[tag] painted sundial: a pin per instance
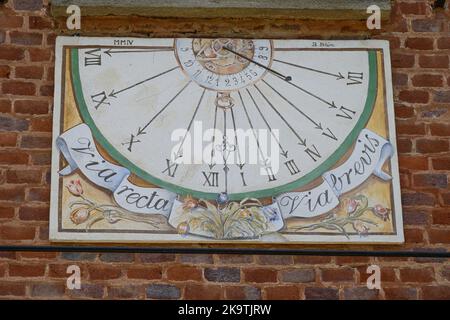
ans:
(275, 131)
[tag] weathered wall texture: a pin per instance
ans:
(420, 42)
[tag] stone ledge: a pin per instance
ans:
(270, 9)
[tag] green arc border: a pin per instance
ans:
(271, 192)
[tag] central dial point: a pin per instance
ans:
(224, 64)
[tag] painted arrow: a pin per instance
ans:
(302, 141)
(115, 93)
(110, 51)
(338, 76)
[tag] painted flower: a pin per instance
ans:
(79, 215)
(361, 228)
(189, 203)
(352, 204)
(75, 187)
(381, 212)
(183, 228)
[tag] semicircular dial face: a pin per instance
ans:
(252, 118)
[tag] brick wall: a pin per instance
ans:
(420, 42)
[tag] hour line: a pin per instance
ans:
(330, 104)
(318, 125)
(284, 152)
(253, 129)
(240, 164)
(338, 76)
(211, 165)
(110, 51)
(142, 130)
(224, 150)
(115, 93)
(190, 124)
(302, 140)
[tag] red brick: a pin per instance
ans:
(419, 43)
(12, 53)
(202, 292)
(439, 235)
(427, 25)
(427, 80)
(415, 8)
(36, 22)
(413, 235)
(8, 22)
(402, 60)
(404, 112)
(282, 293)
(13, 157)
(36, 142)
(9, 193)
(404, 145)
(436, 293)
(441, 216)
(41, 124)
(26, 270)
(440, 129)
(99, 272)
(17, 232)
(12, 288)
(417, 275)
(413, 162)
(5, 106)
(443, 43)
(6, 212)
(37, 54)
(8, 139)
(38, 194)
(183, 273)
(431, 146)
(338, 275)
(415, 217)
(126, 292)
(260, 275)
(408, 128)
(275, 260)
(429, 180)
(414, 96)
(34, 213)
(418, 198)
(311, 260)
(31, 106)
(38, 255)
(5, 71)
(147, 273)
(399, 79)
(29, 72)
(25, 38)
(242, 293)
(433, 61)
(19, 88)
(400, 293)
(23, 176)
(46, 91)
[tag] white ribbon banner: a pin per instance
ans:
(368, 157)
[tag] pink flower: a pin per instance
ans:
(352, 204)
(75, 188)
(79, 215)
(381, 212)
(361, 228)
(183, 228)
